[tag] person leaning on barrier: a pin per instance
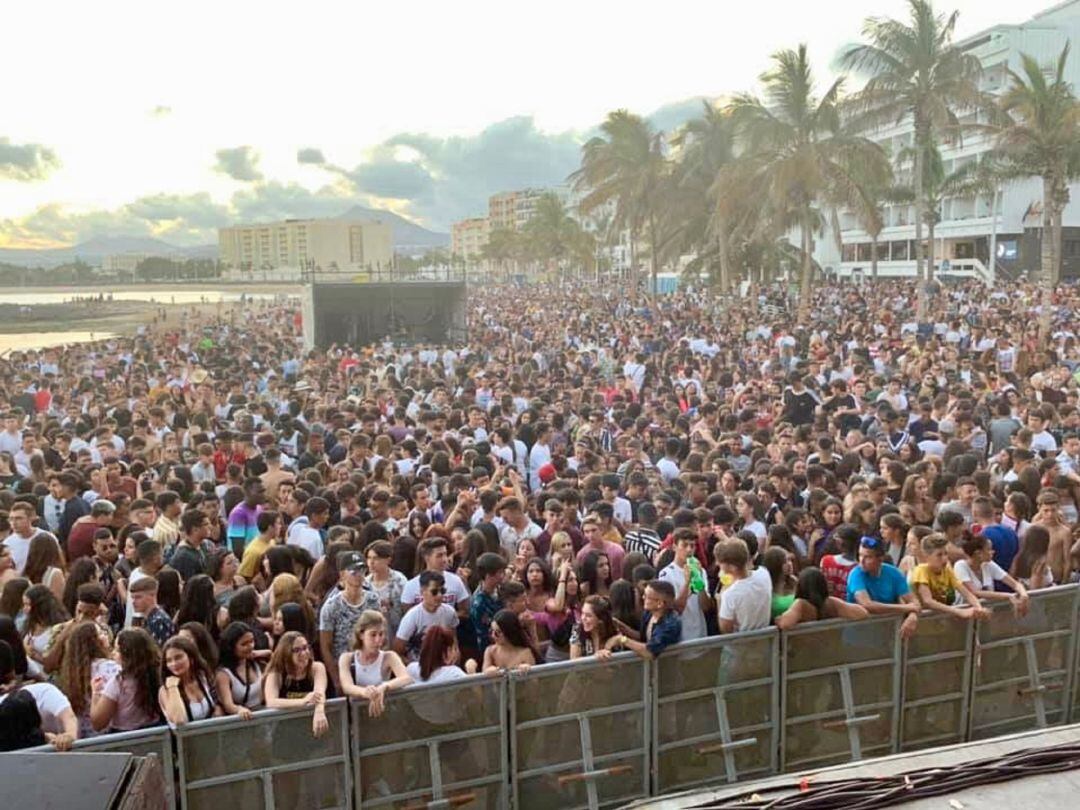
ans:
(369, 671)
(660, 623)
(881, 588)
(981, 574)
(938, 587)
(58, 721)
(295, 680)
(813, 602)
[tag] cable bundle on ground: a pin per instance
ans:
(886, 791)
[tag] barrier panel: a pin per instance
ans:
(272, 760)
(841, 691)
(580, 733)
(157, 741)
(937, 682)
(715, 710)
(1074, 715)
(434, 746)
(1024, 666)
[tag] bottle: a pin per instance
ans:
(697, 576)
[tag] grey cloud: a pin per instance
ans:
(310, 156)
(26, 161)
(240, 163)
(197, 211)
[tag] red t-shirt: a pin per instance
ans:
(836, 570)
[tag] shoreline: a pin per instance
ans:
(231, 287)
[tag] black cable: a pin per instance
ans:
(873, 792)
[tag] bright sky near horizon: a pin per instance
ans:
(132, 118)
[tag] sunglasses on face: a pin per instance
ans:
(437, 591)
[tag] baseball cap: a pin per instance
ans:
(351, 561)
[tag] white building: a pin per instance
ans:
(283, 249)
(966, 227)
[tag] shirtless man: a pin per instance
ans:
(1049, 516)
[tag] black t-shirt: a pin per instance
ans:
(799, 407)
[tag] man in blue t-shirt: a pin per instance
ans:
(1004, 540)
(882, 588)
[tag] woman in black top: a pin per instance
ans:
(294, 679)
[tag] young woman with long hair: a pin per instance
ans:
(188, 692)
(45, 564)
(86, 658)
(916, 504)
(539, 583)
(44, 619)
(387, 582)
(197, 633)
(594, 576)
(439, 657)
(239, 676)
(560, 614)
(369, 671)
(129, 699)
(812, 602)
(511, 647)
(596, 633)
(294, 679)
(222, 567)
(197, 604)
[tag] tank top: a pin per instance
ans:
(202, 708)
(297, 689)
(368, 674)
(248, 695)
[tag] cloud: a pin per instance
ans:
(240, 163)
(440, 180)
(310, 156)
(26, 162)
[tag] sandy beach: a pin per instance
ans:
(37, 317)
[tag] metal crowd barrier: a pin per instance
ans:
(434, 746)
(715, 710)
(937, 682)
(841, 683)
(593, 734)
(156, 741)
(580, 734)
(270, 761)
(1025, 666)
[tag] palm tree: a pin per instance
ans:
(915, 72)
(553, 236)
(1042, 139)
(705, 148)
(626, 164)
(797, 154)
(501, 248)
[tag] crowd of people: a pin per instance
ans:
(211, 520)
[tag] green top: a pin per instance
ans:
(780, 603)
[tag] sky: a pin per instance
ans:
(143, 119)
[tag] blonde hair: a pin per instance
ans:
(287, 588)
(367, 620)
(560, 541)
(932, 542)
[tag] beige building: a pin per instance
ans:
(330, 245)
(502, 214)
(468, 237)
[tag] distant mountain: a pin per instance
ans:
(408, 236)
(94, 250)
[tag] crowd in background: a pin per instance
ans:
(211, 521)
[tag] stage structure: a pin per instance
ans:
(355, 310)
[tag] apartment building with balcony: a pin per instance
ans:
(1011, 219)
(331, 245)
(468, 238)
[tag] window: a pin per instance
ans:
(848, 253)
(1072, 248)
(899, 251)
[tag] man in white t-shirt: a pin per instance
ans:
(308, 536)
(688, 588)
(745, 603)
(431, 611)
(22, 532)
(435, 552)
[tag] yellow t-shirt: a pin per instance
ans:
(943, 584)
(249, 565)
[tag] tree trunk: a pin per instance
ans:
(1047, 257)
(931, 226)
(634, 280)
(725, 262)
(652, 254)
(920, 268)
(873, 256)
(807, 269)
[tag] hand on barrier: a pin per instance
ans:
(61, 742)
(319, 723)
(1020, 603)
(909, 626)
(244, 713)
